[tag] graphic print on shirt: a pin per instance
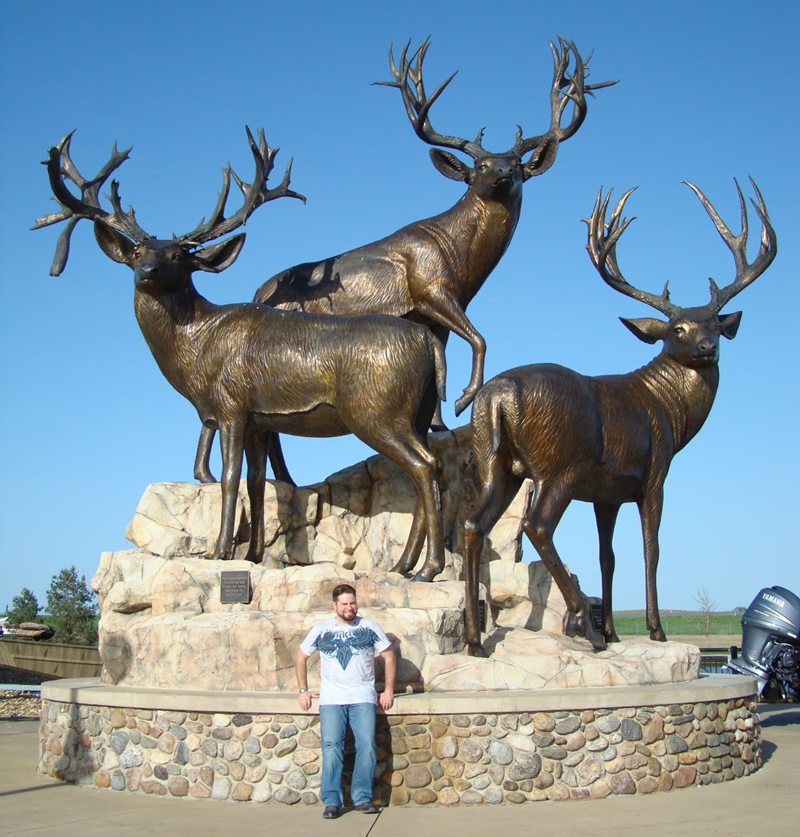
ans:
(342, 644)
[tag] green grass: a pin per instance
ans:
(680, 624)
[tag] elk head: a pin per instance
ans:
(165, 266)
(690, 335)
(495, 175)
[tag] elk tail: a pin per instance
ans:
(501, 404)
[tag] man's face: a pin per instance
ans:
(346, 607)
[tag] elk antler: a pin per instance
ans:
(602, 249)
(408, 80)
(73, 209)
(565, 88)
(254, 194)
(737, 244)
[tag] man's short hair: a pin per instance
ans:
(342, 588)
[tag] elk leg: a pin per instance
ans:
(416, 537)
(547, 508)
(232, 439)
(650, 512)
(496, 492)
(202, 470)
(279, 468)
(256, 444)
(606, 518)
(423, 469)
(445, 310)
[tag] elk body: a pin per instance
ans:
(252, 371)
(605, 440)
(430, 270)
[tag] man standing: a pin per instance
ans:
(347, 645)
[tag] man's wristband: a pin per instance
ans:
(302, 691)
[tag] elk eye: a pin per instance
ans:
(679, 330)
(176, 257)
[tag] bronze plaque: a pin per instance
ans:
(234, 587)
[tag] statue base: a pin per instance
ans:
(433, 748)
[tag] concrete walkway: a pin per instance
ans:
(763, 804)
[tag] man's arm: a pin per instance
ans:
(301, 670)
(386, 697)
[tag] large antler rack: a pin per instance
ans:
(254, 194)
(746, 272)
(60, 166)
(602, 248)
(60, 169)
(408, 80)
(565, 88)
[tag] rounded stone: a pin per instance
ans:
(418, 777)
(178, 785)
(494, 795)
(130, 758)
(544, 722)
(424, 796)
(607, 724)
(118, 780)
(500, 752)
(472, 797)
(568, 725)
(286, 795)
(400, 796)
(622, 783)
(221, 789)
(118, 741)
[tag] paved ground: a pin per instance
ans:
(763, 804)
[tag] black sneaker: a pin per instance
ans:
(331, 812)
(367, 808)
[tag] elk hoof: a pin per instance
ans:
(253, 558)
(477, 650)
(463, 402)
(658, 635)
(204, 477)
(425, 575)
(401, 568)
(580, 624)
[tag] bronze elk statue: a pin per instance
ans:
(430, 270)
(251, 370)
(605, 440)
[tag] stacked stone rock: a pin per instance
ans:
(422, 759)
(19, 704)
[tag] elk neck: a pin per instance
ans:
(473, 235)
(680, 394)
(172, 324)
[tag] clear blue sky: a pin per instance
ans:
(708, 93)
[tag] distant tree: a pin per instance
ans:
(707, 606)
(71, 609)
(739, 611)
(24, 608)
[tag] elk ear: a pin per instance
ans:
(646, 328)
(450, 166)
(729, 324)
(544, 155)
(115, 245)
(217, 257)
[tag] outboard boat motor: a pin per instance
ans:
(771, 643)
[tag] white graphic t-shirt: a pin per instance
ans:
(347, 659)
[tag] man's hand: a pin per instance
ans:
(386, 699)
(304, 699)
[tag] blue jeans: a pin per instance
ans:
(333, 721)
